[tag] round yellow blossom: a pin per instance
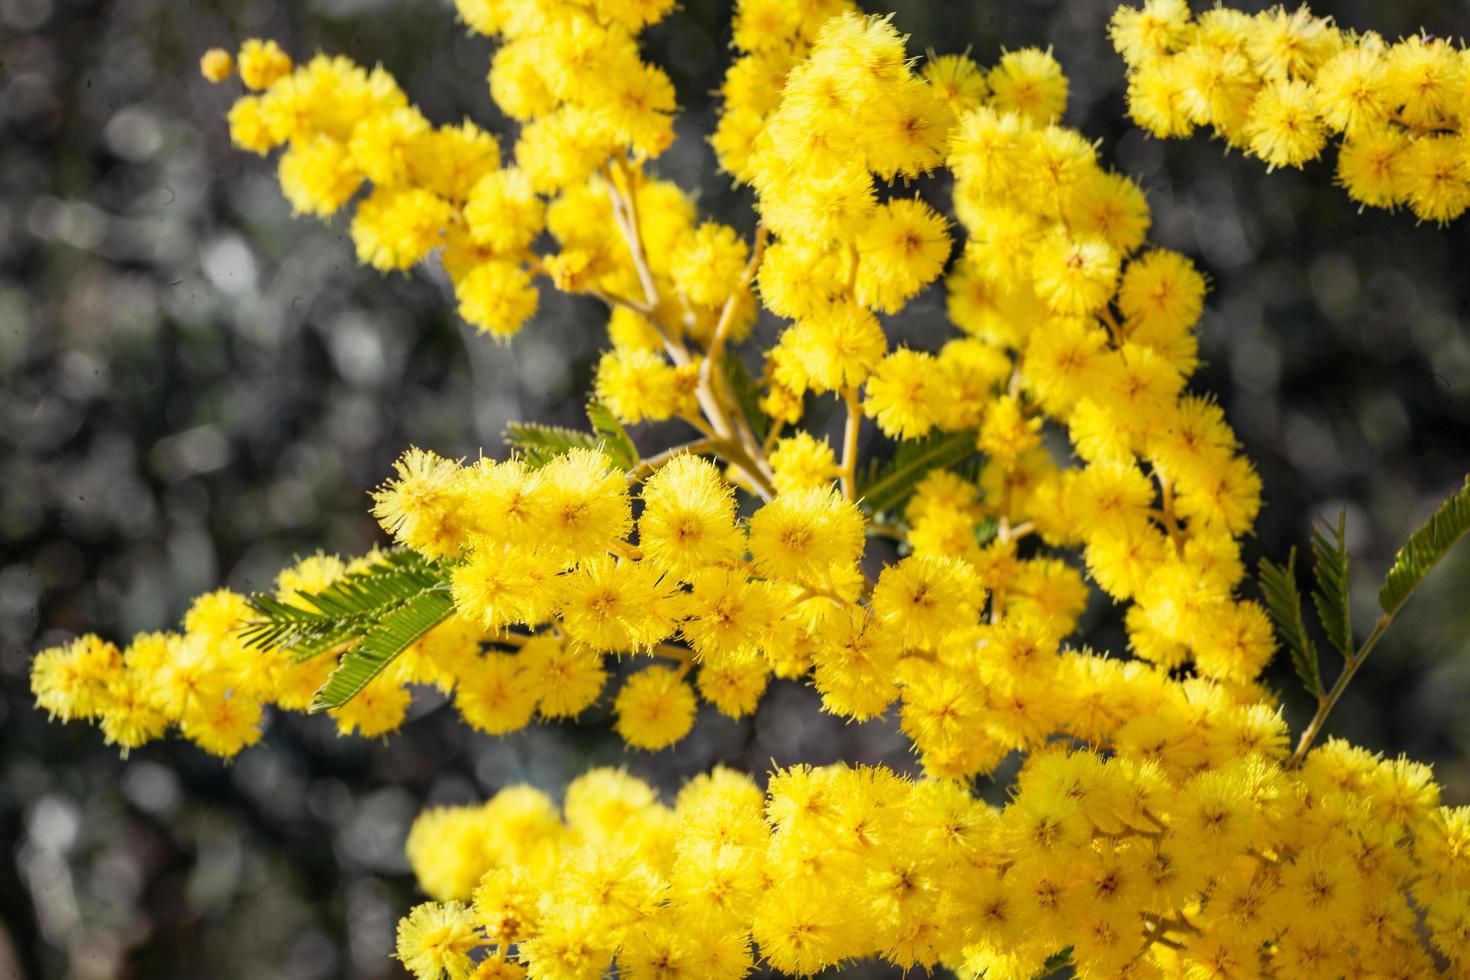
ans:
(902, 249)
(497, 298)
(836, 348)
(503, 211)
(216, 65)
(435, 940)
(262, 63)
(1284, 128)
(318, 176)
(688, 519)
(655, 708)
(393, 229)
(642, 384)
(906, 394)
(803, 462)
(806, 535)
(495, 696)
(1075, 276)
(1030, 82)
(708, 264)
(564, 680)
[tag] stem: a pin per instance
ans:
(1326, 703)
(652, 464)
(738, 445)
(633, 231)
(684, 655)
(721, 336)
(849, 442)
(1166, 506)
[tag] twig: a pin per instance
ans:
(849, 442)
(652, 464)
(1329, 701)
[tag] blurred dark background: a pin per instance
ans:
(194, 387)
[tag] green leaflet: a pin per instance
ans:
(885, 487)
(615, 440)
(381, 644)
(1284, 604)
(1331, 597)
(344, 610)
(540, 444)
(747, 395)
(1424, 549)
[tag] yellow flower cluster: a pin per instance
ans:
(1281, 84)
(1228, 867)
(1159, 826)
(213, 687)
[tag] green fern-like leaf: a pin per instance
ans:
(1284, 604)
(615, 440)
(540, 444)
(1330, 569)
(885, 487)
(1424, 549)
(342, 612)
(986, 530)
(381, 645)
(747, 395)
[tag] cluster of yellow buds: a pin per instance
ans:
(1161, 825)
(1233, 869)
(1281, 84)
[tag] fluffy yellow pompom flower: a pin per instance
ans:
(609, 606)
(504, 212)
(957, 80)
(216, 65)
(393, 229)
(318, 176)
(435, 940)
(926, 598)
(497, 298)
(262, 63)
(1284, 128)
(1030, 82)
(803, 462)
(906, 394)
(417, 505)
(708, 263)
(1162, 295)
(655, 708)
(688, 519)
(642, 384)
(495, 696)
(1350, 90)
(581, 505)
(806, 535)
(248, 127)
(837, 347)
(565, 680)
(1074, 275)
(1155, 29)
(902, 249)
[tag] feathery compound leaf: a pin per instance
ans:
(1284, 604)
(747, 395)
(540, 444)
(1424, 549)
(342, 611)
(1330, 569)
(381, 645)
(887, 487)
(615, 440)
